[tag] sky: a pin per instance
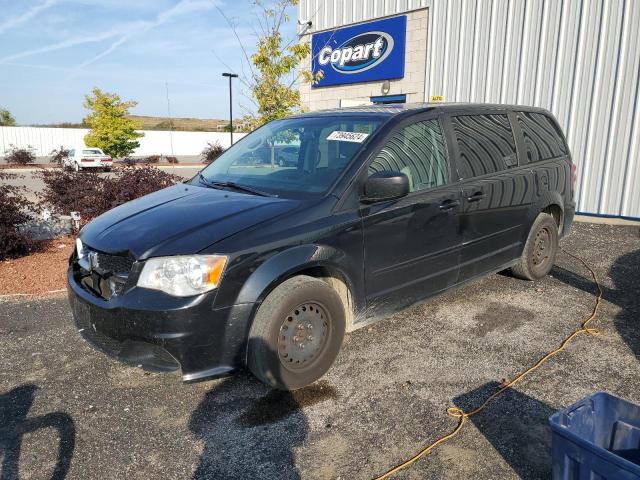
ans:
(53, 52)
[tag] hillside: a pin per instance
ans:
(186, 124)
(159, 123)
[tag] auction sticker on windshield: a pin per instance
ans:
(356, 137)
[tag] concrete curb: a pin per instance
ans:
(51, 167)
(607, 220)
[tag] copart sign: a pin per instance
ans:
(362, 53)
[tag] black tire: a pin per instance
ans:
(540, 250)
(106, 169)
(275, 355)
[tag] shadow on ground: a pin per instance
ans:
(14, 424)
(517, 427)
(625, 274)
(250, 430)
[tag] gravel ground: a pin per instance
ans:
(67, 409)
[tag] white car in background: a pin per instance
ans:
(88, 157)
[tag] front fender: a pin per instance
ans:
(287, 263)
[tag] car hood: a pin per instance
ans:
(182, 219)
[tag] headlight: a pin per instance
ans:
(79, 248)
(183, 276)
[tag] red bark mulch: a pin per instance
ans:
(40, 273)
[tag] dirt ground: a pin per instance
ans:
(68, 410)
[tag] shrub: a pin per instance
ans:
(212, 151)
(67, 192)
(129, 184)
(19, 156)
(92, 195)
(172, 160)
(152, 159)
(16, 209)
(58, 155)
(129, 161)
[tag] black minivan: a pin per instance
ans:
(267, 265)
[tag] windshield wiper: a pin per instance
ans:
(234, 186)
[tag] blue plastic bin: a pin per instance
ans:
(596, 438)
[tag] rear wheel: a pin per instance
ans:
(540, 251)
(296, 334)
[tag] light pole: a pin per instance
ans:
(230, 75)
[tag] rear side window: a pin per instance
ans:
(418, 151)
(542, 138)
(485, 144)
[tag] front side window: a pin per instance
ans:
(296, 156)
(417, 150)
(485, 144)
(542, 139)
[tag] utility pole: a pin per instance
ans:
(230, 75)
(166, 84)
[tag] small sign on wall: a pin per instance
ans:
(436, 99)
(360, 53)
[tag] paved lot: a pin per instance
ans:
(35, 185)
(64, 406)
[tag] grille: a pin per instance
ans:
(114, 263)
(104, 274)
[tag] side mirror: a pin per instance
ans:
(385, 186)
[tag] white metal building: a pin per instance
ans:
(578, 58)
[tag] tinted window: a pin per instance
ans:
(541, 137)
(484, 143)
(418, 151)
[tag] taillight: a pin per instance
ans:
(574, 176)
(109, 160)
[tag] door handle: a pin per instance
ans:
(449, 204)
(477, 196)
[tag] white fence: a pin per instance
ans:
(44, 140)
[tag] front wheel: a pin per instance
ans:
(76, 167)
(540, 251)
(296, 334)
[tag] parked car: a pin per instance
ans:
(267, 267)
(87, 158)
(288, 156)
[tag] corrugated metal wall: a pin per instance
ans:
(154, 142)
(578, 58)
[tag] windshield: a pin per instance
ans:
(93, 151)
(297, 156)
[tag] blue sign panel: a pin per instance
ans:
(361, 53)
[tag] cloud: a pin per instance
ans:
(183, 7)
(25, 17)
(121, 33)
(70, 42)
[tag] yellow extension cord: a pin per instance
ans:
(462, 416)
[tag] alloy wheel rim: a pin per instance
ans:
(303, 336)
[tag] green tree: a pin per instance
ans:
(6, 119)
(111, 128)
(274, 67)
(275, 64)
